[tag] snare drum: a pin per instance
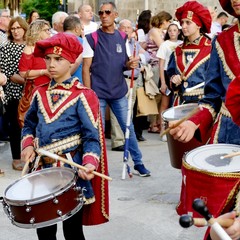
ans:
(205, 175)
(178, 149)
(43, 198)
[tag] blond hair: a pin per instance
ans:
(34, 30)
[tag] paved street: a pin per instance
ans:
(140, 208)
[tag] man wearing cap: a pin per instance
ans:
(65, 117)
(188, 63)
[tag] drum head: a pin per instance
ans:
(40, 184)
(208, 158)
(176, 113)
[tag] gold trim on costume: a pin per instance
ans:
(210, 109)
(88, 201)
(195, 92)
(218, 119)
(224, 111)
(88, 110)
(59, 146)
(64, 95)
(59, 113)
(202, 61)
(226, 68)
(64, 85)
(103, 170)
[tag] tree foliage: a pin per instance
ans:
(44, 8)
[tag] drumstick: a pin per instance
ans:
(230, 155)
(25, 168)
(56, 157)
(195, 110)
(194, 87)
(187, 221)
(200, 207)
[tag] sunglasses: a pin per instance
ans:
(107, 12)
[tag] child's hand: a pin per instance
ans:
(87, 174)
(28, 154)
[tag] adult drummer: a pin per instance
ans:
(224, 66)
(188, 64)
(63, 118)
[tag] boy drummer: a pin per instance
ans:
(64, 118)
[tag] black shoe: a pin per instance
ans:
(118, 149)
(141, 139)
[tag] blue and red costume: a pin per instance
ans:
(195, 73)
(65, 118)
(224, 66)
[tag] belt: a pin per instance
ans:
(126, 76)
(47, 160)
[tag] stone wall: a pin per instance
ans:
(130, 8)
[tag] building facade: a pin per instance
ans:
(131, 8)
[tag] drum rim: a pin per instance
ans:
(177, 107)
(45, 197)
(207, 172)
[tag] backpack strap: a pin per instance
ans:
(95, 38)
(123, 34)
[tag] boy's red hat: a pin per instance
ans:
(63, 44)
(227, 6)
(197, 13)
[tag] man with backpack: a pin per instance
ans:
(104, 61)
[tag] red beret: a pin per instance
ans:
(62, 44)
(197, 13)
(233, 99)
(227, 6)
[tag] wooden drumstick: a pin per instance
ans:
(56, 157)
(187, 221)
(200, 207)
(230, 155)
(25, 168)
(195, 110)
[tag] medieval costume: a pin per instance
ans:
(190, 60)
(65, 118)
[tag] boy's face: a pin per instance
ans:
(58, 67)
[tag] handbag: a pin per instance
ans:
(145, 105)
(25, 101)
(151, 88)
